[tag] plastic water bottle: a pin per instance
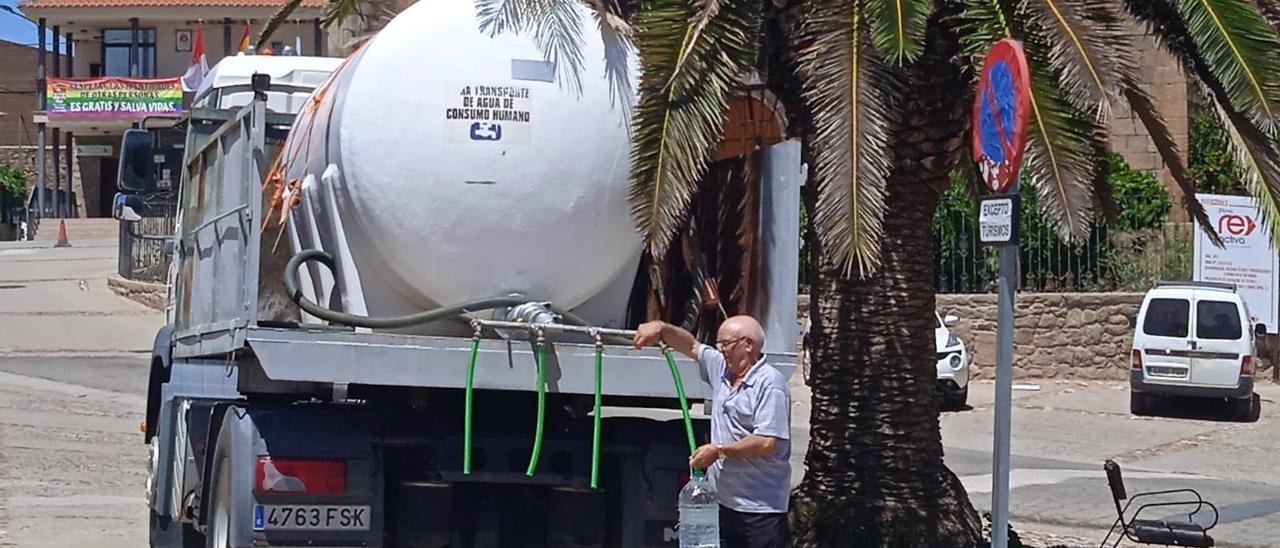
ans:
(699, 514)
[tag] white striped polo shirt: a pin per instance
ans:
(761, 405)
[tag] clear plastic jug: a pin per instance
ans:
(699, 513)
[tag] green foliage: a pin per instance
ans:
(1103, 259)
(1210, 159)
(13, 185)
(1143, 199)
(1137, 260)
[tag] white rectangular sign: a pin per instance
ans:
(93, 150)
(1248, 260)
(996, 218)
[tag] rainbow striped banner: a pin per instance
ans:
(112, 97)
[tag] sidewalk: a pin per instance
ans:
(56, 301)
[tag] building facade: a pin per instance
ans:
(149, 42)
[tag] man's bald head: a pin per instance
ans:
(744, 326)
(741, 340)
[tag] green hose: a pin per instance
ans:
(466, 424)
(595, 435)
(542, 407)
(684, 404)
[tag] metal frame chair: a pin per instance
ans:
(1152, 531)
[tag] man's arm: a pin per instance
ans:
(676, 337)
(750, 447)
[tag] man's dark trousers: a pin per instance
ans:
(747, 530)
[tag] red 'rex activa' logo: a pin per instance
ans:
(1236, 225)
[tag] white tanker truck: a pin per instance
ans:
(398, 307)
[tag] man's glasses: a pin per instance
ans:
(725, 344)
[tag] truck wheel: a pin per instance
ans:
(219, 532)
(1139, 404)
(1247, 409)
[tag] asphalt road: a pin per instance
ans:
(72, 463)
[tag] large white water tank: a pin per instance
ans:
(468, 168)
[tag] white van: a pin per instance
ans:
(1194, 339)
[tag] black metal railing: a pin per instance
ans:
(1107, 260)
(144, 256)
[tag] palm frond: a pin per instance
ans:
(1258, 163)
(278, 18)
(615, 33)
(556, 27)
(704, 11)
(501, 16)
(677, 122)
(557, 30)
(1240, 48)
(1270, 10)
(1141, 104)
(337, 11)
(1104, 195)
(1088, 49)
(897, 27)
(983, 23)
(854, 100)
(1058, 162)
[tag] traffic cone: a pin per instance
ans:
(62, 234)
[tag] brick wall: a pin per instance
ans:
(17, 93)
(1162, 78)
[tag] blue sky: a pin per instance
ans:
(14, 28)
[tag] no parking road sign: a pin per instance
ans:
(1001, 110)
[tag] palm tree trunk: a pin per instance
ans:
(875, 475)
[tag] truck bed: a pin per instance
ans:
(328, 356)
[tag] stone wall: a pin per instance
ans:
(23, 158)
(1056, 335)
(1059, 335)
(151, 295)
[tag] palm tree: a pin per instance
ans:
(880, 91)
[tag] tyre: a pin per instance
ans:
(1139, 404)
(219, 531)
(1247, 409)
(163, 532)
(956, 400)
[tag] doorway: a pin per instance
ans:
(107, 188)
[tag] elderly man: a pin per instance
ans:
(748, 457)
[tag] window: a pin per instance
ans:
(1167, 318)
(115, 52)
(1218, 320)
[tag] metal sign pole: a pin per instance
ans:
(1008, 283)
(1001, 111)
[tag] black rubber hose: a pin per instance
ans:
(418, 318)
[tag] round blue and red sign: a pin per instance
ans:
(1001, 111)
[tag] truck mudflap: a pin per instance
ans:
(293, 475)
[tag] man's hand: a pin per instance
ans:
(705, 456)
(678, 339)
(648, 333)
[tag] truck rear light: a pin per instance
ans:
(1136, 361)
(1246, 366)
(310, 476)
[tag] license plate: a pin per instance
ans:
(1157, 371)
(294, 517)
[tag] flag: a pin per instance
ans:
(297, 45)
(245, 39)
(199, 65)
